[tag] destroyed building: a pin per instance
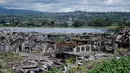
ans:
(123, 39)
(52, 49)
(86, 45)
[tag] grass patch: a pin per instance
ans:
(8, 71)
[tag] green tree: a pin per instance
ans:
(128, 23)
(122, 24)
(121, 65)
(65, 24)
(78, 23)
(45, 22)
(108, 21)
(98, 22)
(52, 23)
(2, 21)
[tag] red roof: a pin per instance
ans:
(69, 44)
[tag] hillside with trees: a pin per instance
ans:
(26, 18)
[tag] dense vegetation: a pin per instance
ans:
(121, 65)
(114, 65)
(5, 58)
(70, 19)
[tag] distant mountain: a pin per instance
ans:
(16, 11)
(66, 16)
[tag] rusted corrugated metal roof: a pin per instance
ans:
(69, 44)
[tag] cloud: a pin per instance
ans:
(2, 1)
(68, 5)
(110, 2)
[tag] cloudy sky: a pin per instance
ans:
(68, 5)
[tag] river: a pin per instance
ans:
(56, 30)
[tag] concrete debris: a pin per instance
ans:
(41, 51)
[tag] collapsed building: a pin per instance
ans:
(123, 39)
(54, 48)
(23, 42)
(80, 46)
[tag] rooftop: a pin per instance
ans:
(69, 44)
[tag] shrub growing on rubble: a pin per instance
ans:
(121, 65)
(70, 60)
(53, 70)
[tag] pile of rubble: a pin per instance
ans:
(41, 51)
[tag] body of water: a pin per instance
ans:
(57, 30)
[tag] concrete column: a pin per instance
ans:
(85, 49)
(80, 49)
(74, 49)
(90, 48)
(23, 47)
(55, 47)
(7, 47)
